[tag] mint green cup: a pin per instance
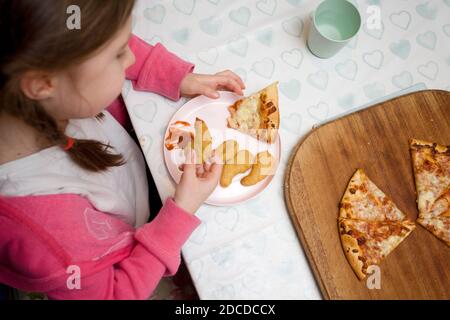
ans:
(334, 24)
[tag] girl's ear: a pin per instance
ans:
(38, 85)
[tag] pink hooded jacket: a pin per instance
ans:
(61, 246)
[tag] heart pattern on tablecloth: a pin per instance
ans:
(374, 59)
(374, 91)
(184, 6)
(294, 57)
(146, 111)
(292, 123)
(241, 16)
(319, 80)
(446, 29)
(346, 101)
(427, 10)
(238, 46)
(401, 19)
(319, 111)
(181, 36)
(227, 218)
(429, 70)
(293, 26)
(211, 25)
(199, 235)
(264, 68)
(265, 41)
(146, 142)
(291, 89)
(265, 37)
(155, 14)
(403, 80)
(209, 56)
(427, 40)
(347, 69)
(401, 48)
(224, 256)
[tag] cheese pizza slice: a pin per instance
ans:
(439, 226)
(257, 115)
(367, 243)
(431, 164)
(370, 224)
(363, 200)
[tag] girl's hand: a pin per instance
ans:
(194, 84)
(196, 184)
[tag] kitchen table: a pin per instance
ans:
(251, 251)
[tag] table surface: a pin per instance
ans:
(251, 251)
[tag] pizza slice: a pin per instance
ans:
(257, 115)
(431, 164)
(179, 136)
(363, 200)
(439, 226)
(441, 207)
(367, 243)
(437, 220)
(202, 142)
(370, 224)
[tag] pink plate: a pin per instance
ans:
(215, 113)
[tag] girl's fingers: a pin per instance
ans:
(188, 169)
(191, 156)
(209, 92)
(199, 170)
(215, 169)
(189, 165)
(207, 167)
(234, 76)
(230, 84)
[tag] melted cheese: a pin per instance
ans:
(390, 244)
(248, 114)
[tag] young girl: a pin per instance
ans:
(73, 188)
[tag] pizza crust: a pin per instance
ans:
(353, 252)
(422, 143)
(350, 194)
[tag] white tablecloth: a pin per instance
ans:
(251, 251)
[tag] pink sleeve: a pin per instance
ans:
(156, 69)
(156, 254)
(33, 265)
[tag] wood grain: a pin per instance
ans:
(375, 139)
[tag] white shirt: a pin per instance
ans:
(120, 191)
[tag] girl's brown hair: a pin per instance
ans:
(35, 36)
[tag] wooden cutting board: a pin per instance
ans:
(375, 139)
